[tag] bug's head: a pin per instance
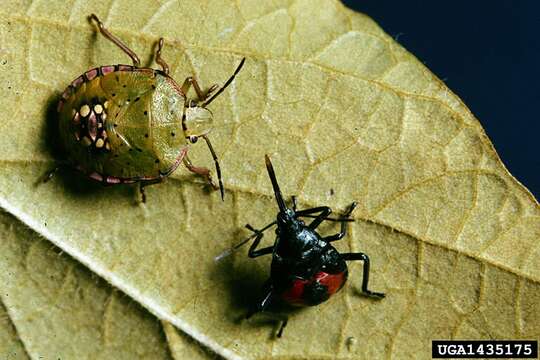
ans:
(286, 219)
(293, 241)
(198, 122)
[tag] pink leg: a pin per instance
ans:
(190, 81)
(116, 41)
(205, 172)
(143, 184)
(159, 59)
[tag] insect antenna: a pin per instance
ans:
(232, 249)
(218, 169)
(207, 102)
(277, 192)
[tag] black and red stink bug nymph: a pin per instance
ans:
(131, 124)
(306, 269)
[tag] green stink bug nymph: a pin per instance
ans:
(130, 124)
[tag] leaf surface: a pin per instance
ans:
(345, 113)
(11, 346)
(52, 306)
(184, 347)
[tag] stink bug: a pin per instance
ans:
(306, 269)
(130, 124)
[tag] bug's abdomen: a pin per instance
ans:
(314, 291)
(106, 125)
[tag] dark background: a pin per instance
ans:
(488, 53)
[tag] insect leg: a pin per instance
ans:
(205, 171)
(116, 41)
(211, 90)
(216, 162)
(199, 170)
(343, 231)
(243, 242)
(159, 59)
(323, 216)
(283, 324)
(294, 203)
(323, 210)
(191, 81)
(143, 184)
(309, 211)
(365, 278)
(264, 302)
(52, 172)
(49, 174)
(256, 253)
(200, 94)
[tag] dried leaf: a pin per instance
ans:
(183, 347)
(52, 307)
(346, 114)
(11, 346)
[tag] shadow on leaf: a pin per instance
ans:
(245, 279)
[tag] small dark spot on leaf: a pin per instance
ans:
(117, 78)
(145, 135)
(115, 125)
(139, 150)
(145, 112)
(157, 161)
(172, 134)
(124, 85)
(130, 149)
(113, 94)
(153, 86)
(137, 99)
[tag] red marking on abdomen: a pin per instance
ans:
(295, 295)
(333, 282)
